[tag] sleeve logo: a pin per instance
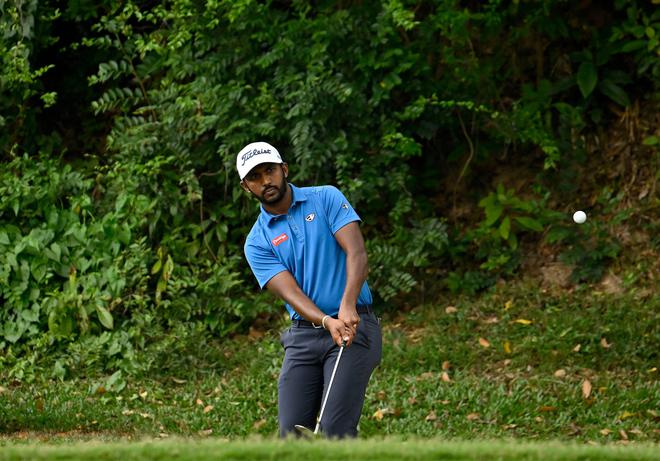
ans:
(279, 239)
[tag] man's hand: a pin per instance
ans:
(340, 333)
(350, 317)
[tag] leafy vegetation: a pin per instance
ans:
(121, 219)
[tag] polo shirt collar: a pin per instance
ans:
(297, 195)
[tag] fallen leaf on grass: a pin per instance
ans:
(523, 321)
(604, 344)
(255, 334)
(508, 304)
(574, 429)
(381, 395)
(3, 390)
(445, 377)
(586, 388)
(133, 412)
(427, 375)
(547, 408)
(473, 416)
(507, 347)
(483, 342)
(561, 373)
(206, 432)
(179, 381)
(259, 424)
(382, 412)
(577, 348)
(445, 365)
(623, 434)
(605, 431)
(431, 416)
(451, 310)
(412, 400)
(208, 408)
(199, 402)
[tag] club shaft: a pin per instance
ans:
(325, 400)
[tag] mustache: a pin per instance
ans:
(267, 188)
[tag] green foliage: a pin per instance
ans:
(20, 81)
(80, 277)
(135, 231)
(396, 260)
(494, 243)
(590, 247)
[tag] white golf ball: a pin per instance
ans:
(579, 217)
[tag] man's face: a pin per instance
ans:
(267, 182)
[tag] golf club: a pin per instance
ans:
(307, 431)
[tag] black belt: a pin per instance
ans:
(308, 324)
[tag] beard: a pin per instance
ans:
(274, 194)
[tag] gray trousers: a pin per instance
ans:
(309, 358)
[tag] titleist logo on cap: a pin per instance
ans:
(248, 155)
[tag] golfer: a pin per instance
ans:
(306, 247)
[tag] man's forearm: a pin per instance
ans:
(285, 287)
(357, 269)
(305, 307)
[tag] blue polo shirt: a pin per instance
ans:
(303, 243)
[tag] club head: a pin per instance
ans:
(306, 431)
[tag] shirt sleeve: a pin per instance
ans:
(262, 261)
(337, 208)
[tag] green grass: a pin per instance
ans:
(326, 450)
(509, 389)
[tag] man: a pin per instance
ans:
(306, 247)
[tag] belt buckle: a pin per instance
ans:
(316, 326)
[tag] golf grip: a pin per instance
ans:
(332, 378)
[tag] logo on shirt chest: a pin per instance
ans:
(279, 239)
(310, 217)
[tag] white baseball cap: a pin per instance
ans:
(255, 154)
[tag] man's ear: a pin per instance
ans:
(245, 187)
(285, 169)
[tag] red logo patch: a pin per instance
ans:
(279, 239)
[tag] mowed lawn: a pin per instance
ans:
(516, 374)
(374, 449)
